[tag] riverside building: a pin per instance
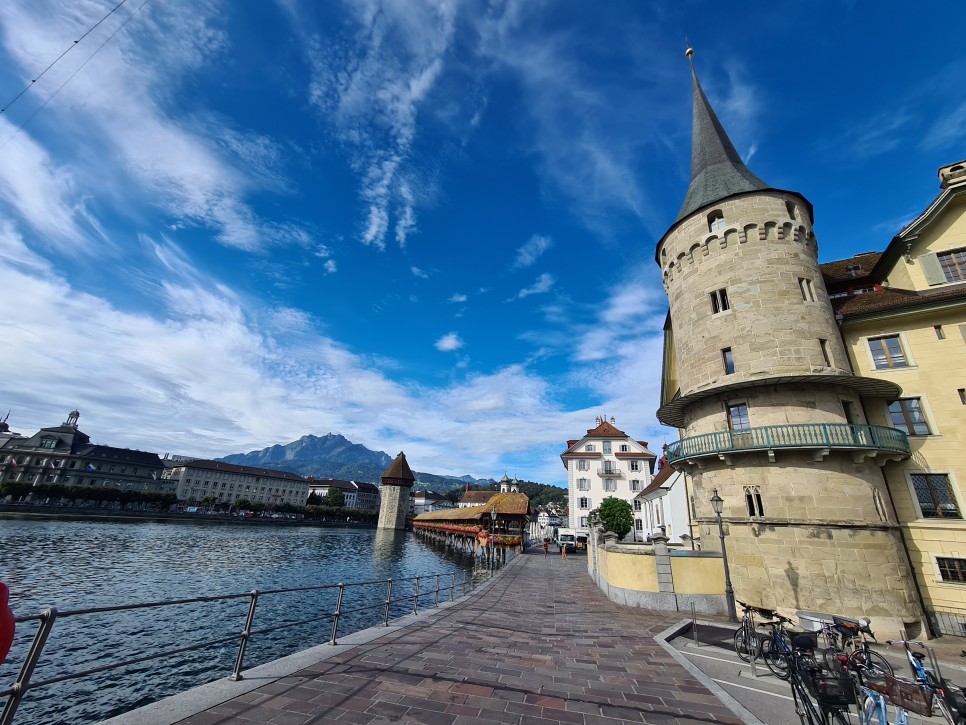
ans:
(227, 483)
(606, 462)
(771, 415)
(902, 313)
(64, 455)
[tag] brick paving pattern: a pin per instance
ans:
(540, 645)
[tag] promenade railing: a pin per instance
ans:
(401, 596)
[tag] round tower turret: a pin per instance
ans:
(759, 383)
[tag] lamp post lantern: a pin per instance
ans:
(717, 503)
(493, 535)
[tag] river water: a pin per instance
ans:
(74, 565)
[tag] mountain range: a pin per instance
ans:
(335, 456)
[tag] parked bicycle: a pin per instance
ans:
(833, 692)
(850, 639)
(776, 648)
(747, 639)
(941, 695)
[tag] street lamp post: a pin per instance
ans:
(717, 503)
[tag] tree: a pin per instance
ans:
(616, 515)
(334, 498)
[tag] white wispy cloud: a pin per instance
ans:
(457, 298)
(532, 249)
(373, 94)
(543, 284)
(126, 142)
(417, 272)
(949, 130)
(449, 342)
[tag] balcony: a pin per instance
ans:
(609, 473)
(862, 441)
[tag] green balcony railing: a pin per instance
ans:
(806, 435)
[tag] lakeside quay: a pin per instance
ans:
(538, 643)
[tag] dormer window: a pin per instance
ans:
(716, 221)
(953, 264)
(48, 442)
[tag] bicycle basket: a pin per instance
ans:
(845, 627)
(830, 689)
(911, 696)
(805, 640)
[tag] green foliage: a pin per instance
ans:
(540, 494)
(334, 498)
(83, 493)
(616, 515)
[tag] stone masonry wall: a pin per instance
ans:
(758, 257)
(393, 507)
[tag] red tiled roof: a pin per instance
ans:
(626, 454)
(582, 454)
(838, 271)
(478, 497)
(895, 299)
(248, 470)
(605, 430)
(659, 480)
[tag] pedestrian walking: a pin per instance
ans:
(546, 548)
(563, 551)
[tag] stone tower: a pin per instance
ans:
(397, 484)
(757, 379)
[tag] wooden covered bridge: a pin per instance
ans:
(488, 530)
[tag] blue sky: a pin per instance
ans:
(428, 226)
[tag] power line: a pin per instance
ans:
(69, 49)
(78, 70)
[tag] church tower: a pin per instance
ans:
(395, 494)
(757, 379)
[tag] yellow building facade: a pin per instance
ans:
(902, 314)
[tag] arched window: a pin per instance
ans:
(792, 211)
(753, 501)
(716, 221)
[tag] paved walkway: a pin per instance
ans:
(540, 644)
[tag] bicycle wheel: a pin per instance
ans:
(875, 666)
(943, 709)
(774, 659)
(747, 644)
(837, 718)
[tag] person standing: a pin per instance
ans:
(563, 551)
(546, 548)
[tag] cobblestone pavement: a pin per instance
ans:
(541, 644)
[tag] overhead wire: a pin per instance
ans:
(51, 97)
(54, 62)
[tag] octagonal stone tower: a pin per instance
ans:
(397, 484)
(757, 378)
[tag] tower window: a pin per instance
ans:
(738, 417)
(940, 334)
(825, 356)
(716, 221)
(808, 292)
(719, 301)
(792, 211)
(753, 501)
(729, 361)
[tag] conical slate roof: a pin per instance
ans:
(399, 469)
(717, 170)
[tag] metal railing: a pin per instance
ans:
(46, 620)
(804, 435)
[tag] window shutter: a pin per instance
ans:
(930, 267)
(962, 329)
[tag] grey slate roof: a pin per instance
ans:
(717, 170)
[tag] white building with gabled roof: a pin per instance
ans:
(606, 462)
